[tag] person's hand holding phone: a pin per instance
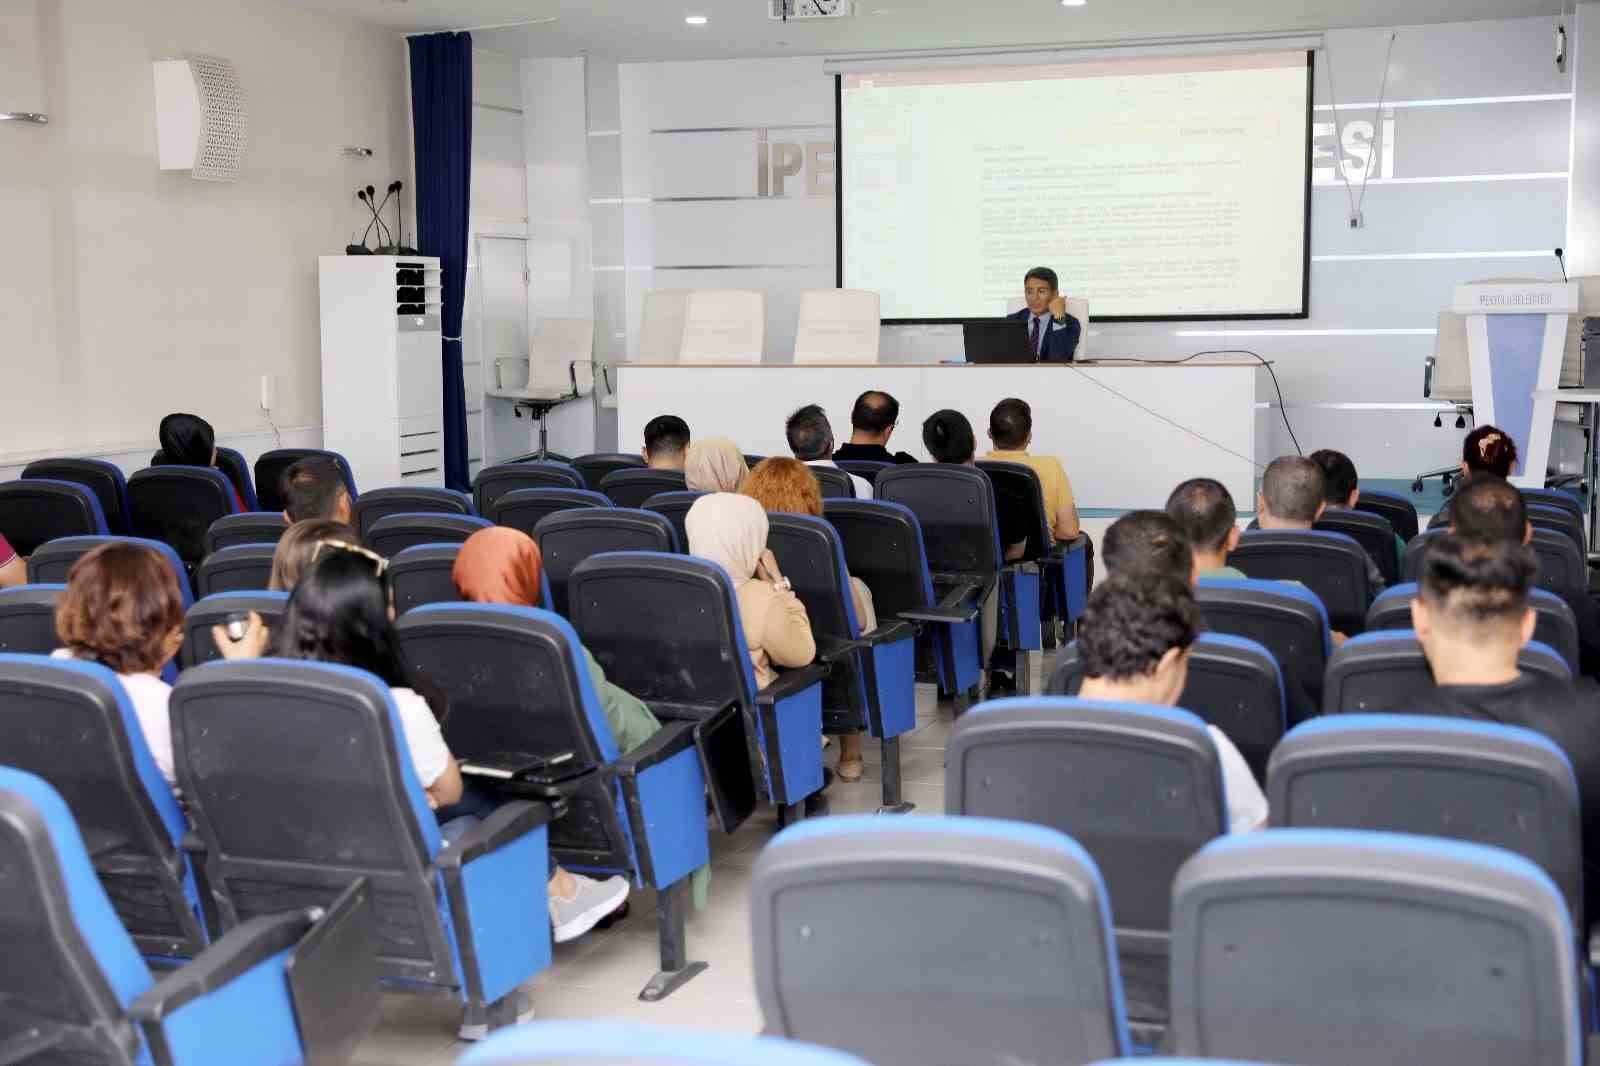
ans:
(242, 637)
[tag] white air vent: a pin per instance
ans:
(200, 117)
(809, 9)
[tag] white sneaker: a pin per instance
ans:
(572, 917)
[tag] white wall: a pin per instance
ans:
(1447, 210)
(125, 292)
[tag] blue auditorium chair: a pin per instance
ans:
(100, 477)
(72, 724)
(493, 482)
(392, 534)
(1286, 619)
(834, 484)
(1557, 626)
(1398, 509)
(567, 538)
(631, 487)
(910, 941)
(871, 687)
(35, 511)
(1332, 947)
(1562, 566)
(290, 821)
(666, 628)
(52, 564)
(231, 462)
(1387, 672)
(753, 461)
(28, 619)
(524, 509)
(601, 465)
(424, 574)
(1373, 532)
(1234, 684)
(675, 507)
(241, 568)
(883, 546)
(218, 609)
(271, 467)
(639, 813)
(1479, 782)
(866, 469)
(1559, 520)
(1065, 589)
(250, 527)
(406, 499)
(177, 504)
(1333, 566)
(287, 988)
(1546, 498)
(592, 1043)
(1139, 787)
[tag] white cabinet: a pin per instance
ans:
(382, 393)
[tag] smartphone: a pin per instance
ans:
(236, 626)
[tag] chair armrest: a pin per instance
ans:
(669, 741)
(247, 946)
(1024, 566)
(192, 844)
(831, 650)
(889, 632)
(791, 682)
(940, 615)
(511, 821)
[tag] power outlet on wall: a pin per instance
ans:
(268, 391)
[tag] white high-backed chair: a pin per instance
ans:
(1078, 308)
(661, 328)
(724, 326)
(561, 354)
(838, 326)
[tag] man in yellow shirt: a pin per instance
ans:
(1011, 431)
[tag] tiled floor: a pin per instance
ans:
(600, 975)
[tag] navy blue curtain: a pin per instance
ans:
(441, 125)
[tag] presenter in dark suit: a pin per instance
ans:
(1052, 332)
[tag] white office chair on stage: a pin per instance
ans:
(724, 326)
(661, 330)
(1078, 308)
(837, 326)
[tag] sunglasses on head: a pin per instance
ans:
(380, 564)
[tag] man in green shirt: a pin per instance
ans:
(1203, 508)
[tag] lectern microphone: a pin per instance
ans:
(1561, 258)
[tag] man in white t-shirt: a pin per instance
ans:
(811, 440)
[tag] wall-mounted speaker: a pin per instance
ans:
(200, 117)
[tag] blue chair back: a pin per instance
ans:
(392, 534)
(866, 469)
(52, 563)
(231, 462)
(35, 511)
(567, 538)
(1373, 532)
(1387, 672)
(177, 504)
(241, 568)
(406, 499)
(955, 507)
(1557, 626)
(1286, 619)
(271, 467)
(1562, 566)
(905, 896)
(1552, 498)
(251, 527)
(674, 506)
(100, 477)
(1398, 509)
(632, 486)
(493, 482)
(834, 484)
(524, 509)
(218, 609)
(1331, 565)
(1559, 520)
(28, 619)
(597, 467)
(424, 574)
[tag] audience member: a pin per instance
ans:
(1487, 450)
(188, 440)
(715, 465)
(1011, 431)
(666, 440)
(122, 609)
(1291, 498)
(1472, 618)
(1203, 509)
(503, 566)
(1135, 639)
(731, 531)
(811, 440)
(13, 571)
(1341, 486)
(299, 547)
(1149, 542)
(314, 488)
(1492, 509)
(872, 422)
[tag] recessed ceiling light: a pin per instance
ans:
(695, 20)
(1073, 3)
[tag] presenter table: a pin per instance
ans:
(1127, 433)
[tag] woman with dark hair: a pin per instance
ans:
(1488, 449)
(189, 440)
(342, 612)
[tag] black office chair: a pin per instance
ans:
(1373, 532)
(494, 482)
(177, 504)
(1331, 565)
(524, 508)
(424, 574)
(567, 538)
(252, 527)
(420, 499)
(28, 619)
(1399, 510)
(394, 533)
(835, 484)
(241, 568)
(675, 506)
(595, 468)
(632, 487)
(34, 511)
(104, 479)
(1556, 625)
(271, 467)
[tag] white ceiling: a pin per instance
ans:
(655, 30)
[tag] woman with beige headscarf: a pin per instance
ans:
(731, 531)
(715, 465)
